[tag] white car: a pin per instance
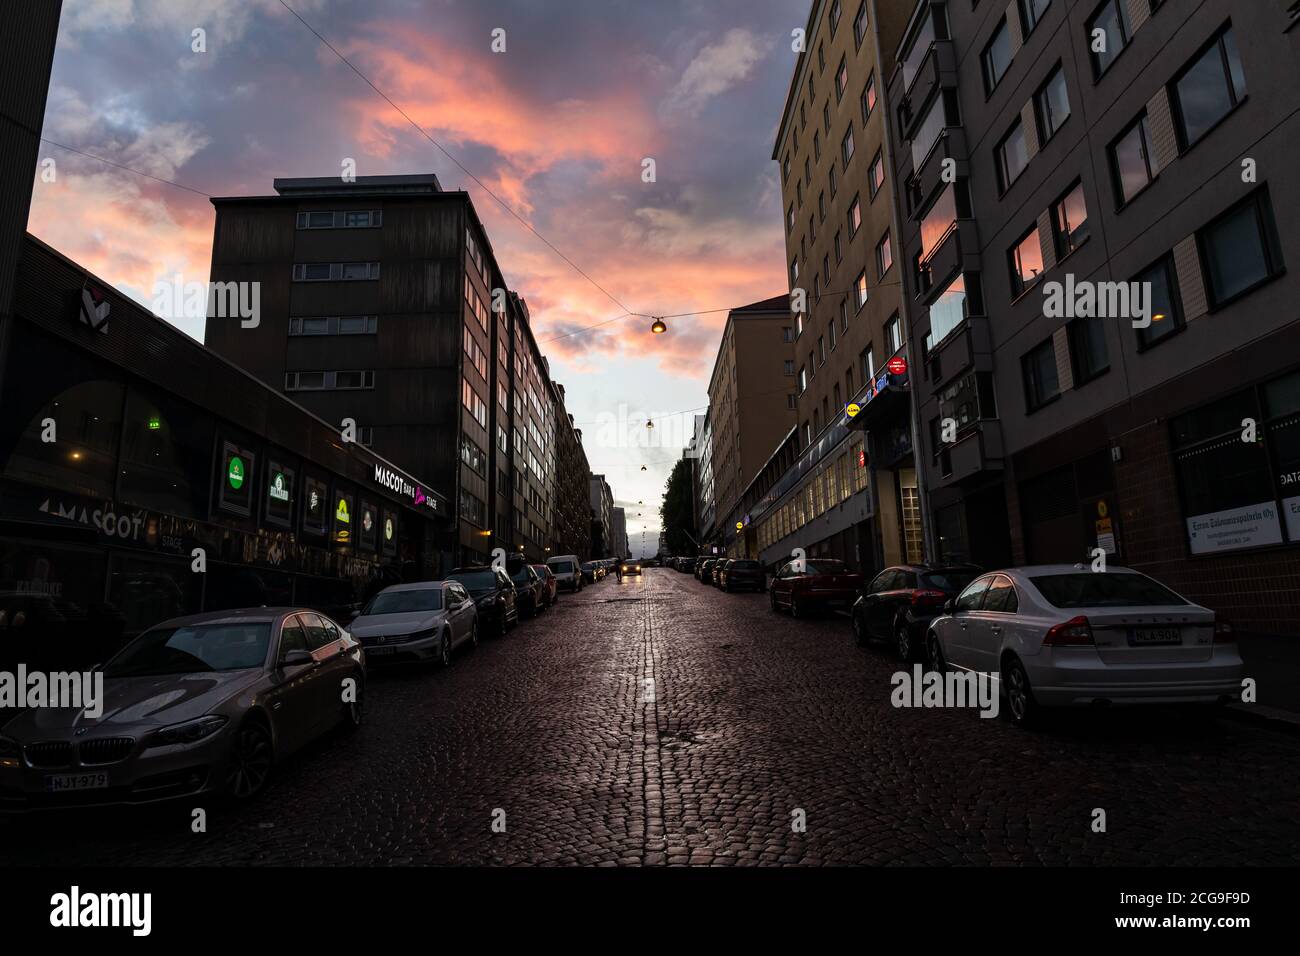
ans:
(417, 622)
(568, 572)
(1062, 634)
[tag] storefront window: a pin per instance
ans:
(343, 507)
(148, 591)
(52, 610)
(315, 505)
(278, 508)
(165, 453)
(235, 479)
(368, 532)
(83, 427)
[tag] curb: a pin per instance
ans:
(1274, 717)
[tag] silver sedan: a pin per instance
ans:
(417, 622)
(206, 704)
(1057, 635)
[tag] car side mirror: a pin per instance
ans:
(950, 606)
(296, 657)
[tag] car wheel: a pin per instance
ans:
(794, 606)
(771, 596)
(934, 651)
(859, 632)
(251, 756)
(903, 641)
(473, 634)
(501, 623)
(444, 650)
(354, 711)
(1022, 709)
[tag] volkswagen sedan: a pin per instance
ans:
(417, 622)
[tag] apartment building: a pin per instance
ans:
(705, 509)
(618, 533)
(602, 520)
(1058, 159)
(751, 407)
(571, 511)
(382, 303)
(525, 435)
(853, 494)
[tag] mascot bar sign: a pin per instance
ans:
(395, 481)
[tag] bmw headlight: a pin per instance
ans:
(9, 749)
(188, 732)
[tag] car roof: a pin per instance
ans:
(414, 586)
(243, 615)
(470, 568)
(1032, 569)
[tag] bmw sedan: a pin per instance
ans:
(417, 622)
(1062, 635)
(206, 704)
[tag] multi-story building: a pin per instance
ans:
(571, 510)
(751, 406)
(854, 491)
(618, 532)
(602, 508)
(1099, 203)
(705, 510)
(382, 303)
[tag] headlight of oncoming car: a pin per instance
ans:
(188, 732)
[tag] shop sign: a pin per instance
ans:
(396, 482)
(1252, 526)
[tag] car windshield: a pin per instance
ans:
(1088, 589)
(953, 581)
(744, 565)
(519, 574)
(563, 567)
(826, 567)
(195, 649)
(401, 602)
(476, 580)
(588, 566)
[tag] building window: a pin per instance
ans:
(1026, 262)
(868, 359)
(846, 147)
(1031, 13)
(803, 379)
(835, 16)
(1070, 221)
(855, 216)
(817, 145)
(1166, 310)
(947, 312)
(876, 176)
(841, 79)
(789, 366)
(1088, 355)
(1130, 161)
(1052, 105)
(938, 221)
(884, 255)
(787, 335)
(309, 325)
(821, 349)
(1208, 89)
(1240, 249)
(1107, 35)
(996, 57)
(789, 219)
(1041, 384)
(893, 335)
(328, 381)
(833, 180)
(785, 168)
(860, 24)
(844, 314)
(868, 99)
(1012, 156)
(839, 248)
(790, 400)
(830, 332)
(860, 290)
(475, 405)
(794, 272)
(351, 219)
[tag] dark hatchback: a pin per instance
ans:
(494, 594)
(744, 573)
(900, 602)
(530, 596)
(705, 571)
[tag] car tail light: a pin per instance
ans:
(1223, 633)
(1075, 632)
(927, 598)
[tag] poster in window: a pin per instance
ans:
(388, 531)
(368, 530)
(315, 506)
(235, 482)
(279, 494)
(1252, 526)
(344, 519)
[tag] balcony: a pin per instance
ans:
(951, 144)
(938, 68)
(957, 251)
(957, 352)
(975, 454)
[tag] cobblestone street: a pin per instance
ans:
(658, 721)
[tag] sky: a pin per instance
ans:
(558, 127)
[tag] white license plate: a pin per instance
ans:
(58, 783)
(379, 651)
(1154, 635)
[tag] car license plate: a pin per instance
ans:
(379, 651)
(58, 783)
(1143, 636)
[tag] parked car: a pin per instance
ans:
(704, 571)
(590, 572)
(1061, 635)
(205, 704)
(631, 567)
(744, 573)
(821, 583)
(550, 585)
(568, 571)
(900, 602)
(528, 587)
(493, 593)
(417, 622)
(715, 572)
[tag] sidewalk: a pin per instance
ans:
(1273, 660)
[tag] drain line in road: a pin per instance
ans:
(654, 840)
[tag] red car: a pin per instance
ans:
(550, 586)
(814, 584)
